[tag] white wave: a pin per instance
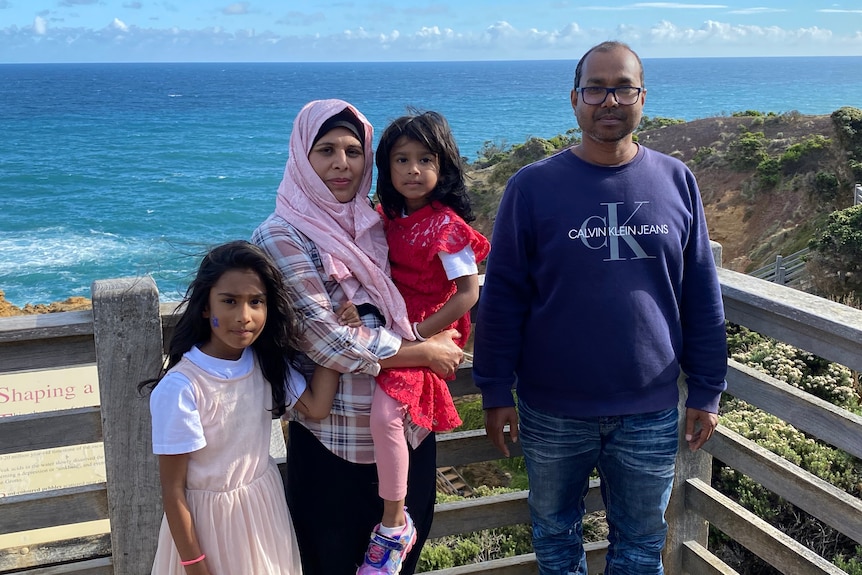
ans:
(53, 250)
(107, 234)
(35, 264)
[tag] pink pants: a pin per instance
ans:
(390, 445)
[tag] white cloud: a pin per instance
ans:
(501, 29)
(658, 5)
(235, 9)
(40, 27)
(727, 34)
(758, 10)
(677, 6)
(359, 34)
(837, 11)
(500, 40)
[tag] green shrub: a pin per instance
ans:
(795, 153)
(848, 126)
(562, 141)
(492, 152)
(769, 172)
(532, 150)
(436, 556)
(838, 250)
(456, 550)
(826, 185)
(747, 151)
(853, 564)
(472, 415)
(703, 153)
(747, 113)
(790, 116)
(648, 123)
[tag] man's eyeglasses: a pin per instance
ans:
(596, 95)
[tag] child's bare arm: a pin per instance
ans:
(461, 302)
(316, 401)
(172, 474)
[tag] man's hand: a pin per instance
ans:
(699, 427)
(496, 419)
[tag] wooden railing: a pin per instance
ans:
(787, 270)
(125, 334)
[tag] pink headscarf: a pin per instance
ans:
(349, 236)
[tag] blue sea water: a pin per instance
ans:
(111, 170)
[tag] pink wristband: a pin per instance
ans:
(416, 332)
(193, 561)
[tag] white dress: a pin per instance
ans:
(233, 486)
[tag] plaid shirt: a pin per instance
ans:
(354, 352)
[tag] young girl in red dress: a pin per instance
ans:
(434, 254)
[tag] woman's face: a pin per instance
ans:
(338, 159)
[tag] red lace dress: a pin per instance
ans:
(414, 244)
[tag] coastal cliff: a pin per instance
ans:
(768, 181)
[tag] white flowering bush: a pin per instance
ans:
(768, 431)
(828, 381)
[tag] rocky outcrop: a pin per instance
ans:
(69, 304)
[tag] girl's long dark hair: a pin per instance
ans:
(277, 342)
(432, 131)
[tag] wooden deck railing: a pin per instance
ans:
(125, 334)
(786, 270)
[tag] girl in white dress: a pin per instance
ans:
(227, 374)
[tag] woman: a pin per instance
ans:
(329, 243)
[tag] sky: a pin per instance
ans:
(421, 30)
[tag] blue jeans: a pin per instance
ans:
(634, 455)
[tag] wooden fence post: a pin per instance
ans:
(779, 270)
(128, 337)
(682, 525)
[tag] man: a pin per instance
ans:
(599, 287)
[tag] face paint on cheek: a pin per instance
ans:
(215, 322)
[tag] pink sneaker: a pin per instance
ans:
(385, 554)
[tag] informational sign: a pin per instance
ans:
(48, 469)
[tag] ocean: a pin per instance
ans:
(113, 170)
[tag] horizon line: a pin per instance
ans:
(501, 60)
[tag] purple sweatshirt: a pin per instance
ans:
(600, 285)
